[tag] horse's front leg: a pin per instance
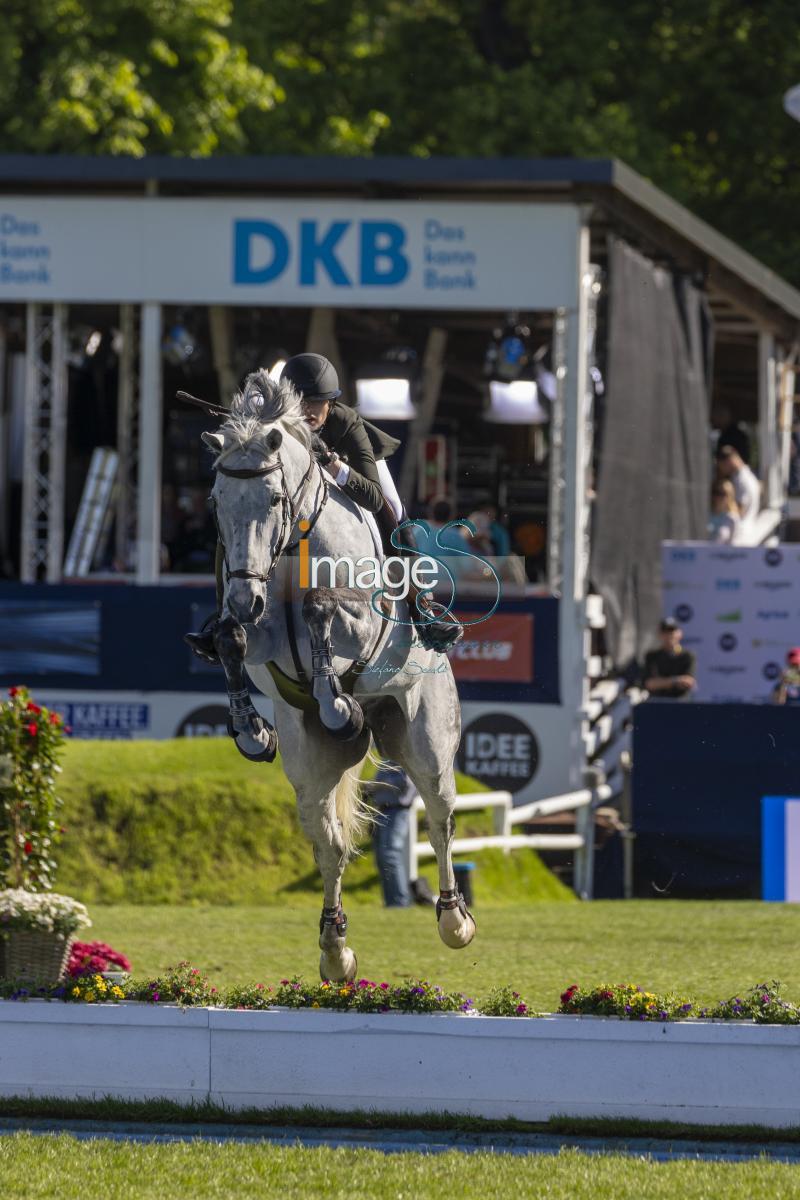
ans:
(322, 826)
(255, 738)
(340, 714)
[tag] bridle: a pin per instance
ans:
(289, 513)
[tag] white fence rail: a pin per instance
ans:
(505, 816)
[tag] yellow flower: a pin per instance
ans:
(89, 997)
(76, 991)
(117, 991)
(343, 991)
(315, 1004)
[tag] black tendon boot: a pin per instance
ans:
(434, 626)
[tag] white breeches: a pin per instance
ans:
(388, 489)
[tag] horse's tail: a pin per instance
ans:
(352, 810)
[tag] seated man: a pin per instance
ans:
(669, 673)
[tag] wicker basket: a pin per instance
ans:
(28, 954)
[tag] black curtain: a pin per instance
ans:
(653, 477)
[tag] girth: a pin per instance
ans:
(298, 692)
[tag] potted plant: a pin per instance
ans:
(37, 926)
(38, 929)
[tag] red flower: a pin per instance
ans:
(67, 729)
(569, 993)
(28, 847)
(13, 691)
(55, 718)
(31, 707)
(32, 729)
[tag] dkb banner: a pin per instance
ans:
(739, 607)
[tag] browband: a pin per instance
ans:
(248, 472)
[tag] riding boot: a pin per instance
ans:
(433, 625)
(202, 643)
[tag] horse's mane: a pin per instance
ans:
(261, 404)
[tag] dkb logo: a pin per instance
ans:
(684, 612)
(773, 557)
(263, 251)
(727, 642)
(772, 670)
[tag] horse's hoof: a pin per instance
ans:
(266, 754)
(342, 971)
(353, 725)
(456, 926)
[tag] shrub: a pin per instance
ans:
(31, 742)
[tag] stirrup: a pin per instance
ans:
(202, 642)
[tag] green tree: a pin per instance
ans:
(100, 77)
(688, 94)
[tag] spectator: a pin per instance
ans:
(724, 524)
(731, 465)
(787, 689)
(669, 673)
(392, 795)
(500, 536)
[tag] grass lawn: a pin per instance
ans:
(706, 949)
(61, 1166)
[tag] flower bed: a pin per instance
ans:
(187, 987)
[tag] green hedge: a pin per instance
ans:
(190, 820)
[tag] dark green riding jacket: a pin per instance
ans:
(361, 445)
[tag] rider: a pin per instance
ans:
(352, 454)
(357, 452)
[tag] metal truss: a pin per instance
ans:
(44, 447)
(128, 439)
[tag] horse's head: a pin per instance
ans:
(261, 451)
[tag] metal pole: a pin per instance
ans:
(148, 533)
(127, 439)
(571, 450)
(768, 452)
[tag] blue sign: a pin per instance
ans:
(780, 848)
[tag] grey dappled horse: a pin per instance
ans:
(269, 495)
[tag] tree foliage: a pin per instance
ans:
(102, 77)
(688, 94)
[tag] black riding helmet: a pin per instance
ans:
(312, 376)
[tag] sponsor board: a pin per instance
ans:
(363, 253)
(740, 607)
(499, 649)
(131, 715)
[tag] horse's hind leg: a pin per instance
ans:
(426, 747)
